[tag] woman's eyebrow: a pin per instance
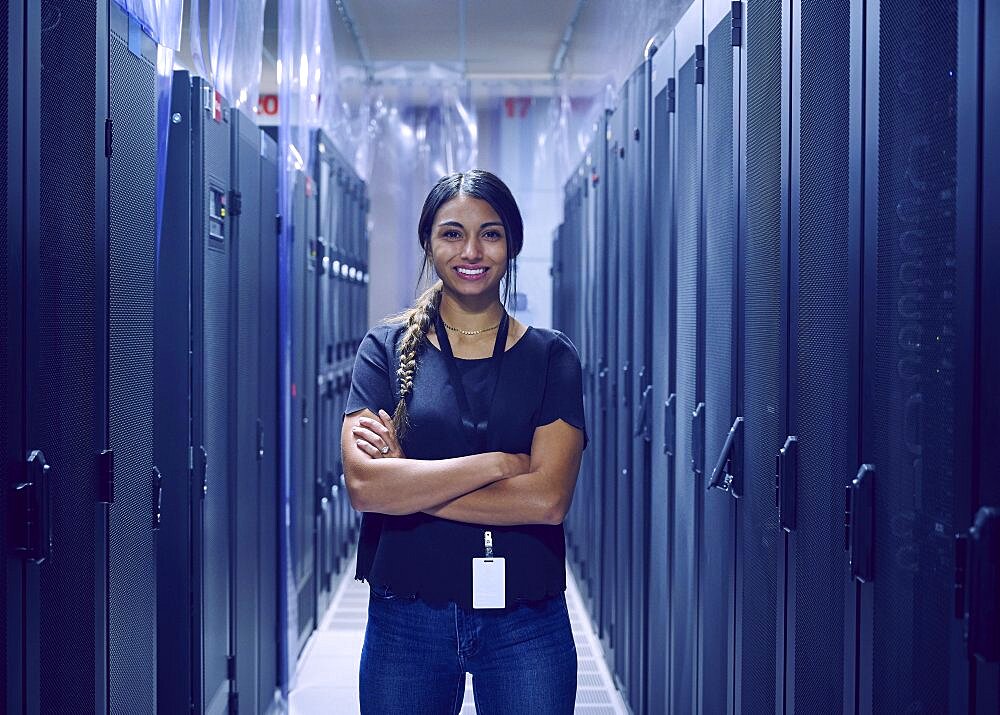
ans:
(451, 223)
(491, 223)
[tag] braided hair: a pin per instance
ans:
(421, 315)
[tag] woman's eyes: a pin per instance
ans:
(489, 235)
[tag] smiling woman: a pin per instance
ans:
(466, 485)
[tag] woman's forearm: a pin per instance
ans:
(522, 499)
(407, 486)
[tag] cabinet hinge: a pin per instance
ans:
(106, 475)
(699, 64)
(671, 95)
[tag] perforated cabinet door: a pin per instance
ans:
(716, 524)
(132, 562)
(12, 450)
(661, 318)
(687, 490)
(915, 346)
(758, 535)
(66, 294)
(823, 327)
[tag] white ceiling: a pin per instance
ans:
(504, 39)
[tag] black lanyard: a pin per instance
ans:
(477, 431)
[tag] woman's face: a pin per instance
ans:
(469, 246)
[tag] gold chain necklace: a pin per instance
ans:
(470, 332)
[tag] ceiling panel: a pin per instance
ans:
(405, 30)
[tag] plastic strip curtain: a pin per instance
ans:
(307, 95)
(229, 56)
(162, 19)
(403, 132)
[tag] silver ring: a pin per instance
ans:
(384, 450)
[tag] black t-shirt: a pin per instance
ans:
(541, 380)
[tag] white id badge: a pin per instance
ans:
(489, 581)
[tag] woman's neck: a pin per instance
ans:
(471, 315)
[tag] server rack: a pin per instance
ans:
(197, 439)
(267, 573)
(721, 424)
(303, 383)
(689, 374)
(984, 671)
(637, 164)
(663, 396)
(917, 336)
(12, 211)
(759, 652)
(252, 203)
(619, 345)
(55, 366)
(134, 496)
(327, 207)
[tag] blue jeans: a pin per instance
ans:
(415, 657)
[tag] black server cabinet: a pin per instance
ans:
(819, 453)
(759, 652)
(303, 392)
(604, 459)
(639, 390)
(918, 345)
(133, 514)
(332, 209)
(12, 181)
(721, 424)
(663, 397)
(617, 637)
(267, 571)
(194, 309)
(688, 487)
(55, 365)
(254, 387)
(984, 668)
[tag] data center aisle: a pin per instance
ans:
(327, 678)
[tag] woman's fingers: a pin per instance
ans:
(368, 448)
(368, 435)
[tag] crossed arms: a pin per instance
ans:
(490, 488)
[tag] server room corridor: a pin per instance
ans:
(383, 357)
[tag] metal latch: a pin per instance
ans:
(724, 472)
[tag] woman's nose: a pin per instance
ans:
(471, 249)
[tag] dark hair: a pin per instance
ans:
(478, 184)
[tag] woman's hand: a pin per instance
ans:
(377, 438)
